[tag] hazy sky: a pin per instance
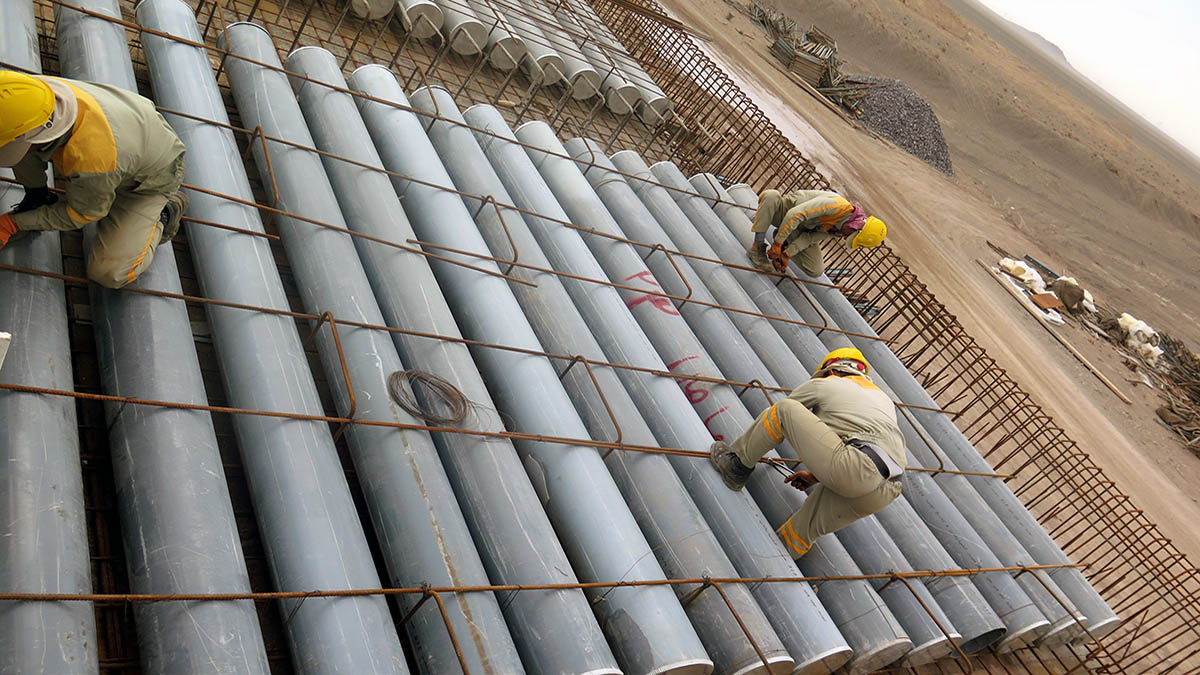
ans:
(1162, 83)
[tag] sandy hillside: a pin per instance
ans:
(1044, 165)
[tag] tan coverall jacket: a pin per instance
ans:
(121, 161)
(817, 418)
(804, 219)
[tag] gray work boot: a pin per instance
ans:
(171, 213)
(733, 472)
(758, 257)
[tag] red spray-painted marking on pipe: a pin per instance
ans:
(716, 437)
(662, 304)
(696, 393)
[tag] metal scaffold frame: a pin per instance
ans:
(715, 127)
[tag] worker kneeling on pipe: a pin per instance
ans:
(844, 428)
(121, 162)
(802, 220)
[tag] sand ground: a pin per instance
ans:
(1045, 165)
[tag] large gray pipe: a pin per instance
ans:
(310, 527)
(958, 531)
(862, 616)
(583, 80)
(677, 532)
(960, 454)
(801, 622)
(177, 520)
(990, 528)
(463, 28)
(43, 531)
(753, 338)
(422, 18)
(420, 528)
(653, 105)
(549, 63)
(510, 528)
(646, 626)
(620, 95)
(959, 597)
(780, 356)
(505, 48)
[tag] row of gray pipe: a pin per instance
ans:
(558, 42)
(460, 509)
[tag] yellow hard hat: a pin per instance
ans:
(846, 353)
(871, 235)
(25, 104)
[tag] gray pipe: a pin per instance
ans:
(861, 614)
(418, 524)
(584, 81)
(620, 95)
(178, 525)
(43, 531)
(801, 622)
(505, 49)
(310, 528)
(678, 534)
(986, 523)
(653, 105)
(960, 454)
(549, 63)
(462, 27)
(743, 194)
(965, 535)
(422, 18)
(961, 600)
(510, 528)
(647, 628)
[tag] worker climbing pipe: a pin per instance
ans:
(845, 429)
(123, 164)
(802, 220)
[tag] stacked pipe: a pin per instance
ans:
(310, 528)
(680, 538)
(177, 519)
(785, 365)
(946, 443)
(646, 625)
(43, 532)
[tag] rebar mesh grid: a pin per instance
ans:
(1156, 610)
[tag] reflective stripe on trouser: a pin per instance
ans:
(851, 486)
(125, 239)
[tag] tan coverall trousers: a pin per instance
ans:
(850, 488)
(125, 239)
(775, 209)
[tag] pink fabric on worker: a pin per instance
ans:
(855, 222)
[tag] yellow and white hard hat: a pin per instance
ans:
(26, 103)
(847, 354)
(871, 234)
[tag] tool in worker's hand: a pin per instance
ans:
(778, 257)
(5, 338)
(801, 480)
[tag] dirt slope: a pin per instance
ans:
(1045, 165)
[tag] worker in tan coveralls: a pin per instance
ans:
(802, 220)
(122, 164)
(844, 428)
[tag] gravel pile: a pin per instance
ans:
(900, 115)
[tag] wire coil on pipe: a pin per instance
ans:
(402, 384)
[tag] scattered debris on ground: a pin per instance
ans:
(1159, 361)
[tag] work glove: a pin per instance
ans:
(35, 198)
(7, 229)
(778, 257)
(801, 480)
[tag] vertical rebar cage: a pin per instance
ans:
(715, 127)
